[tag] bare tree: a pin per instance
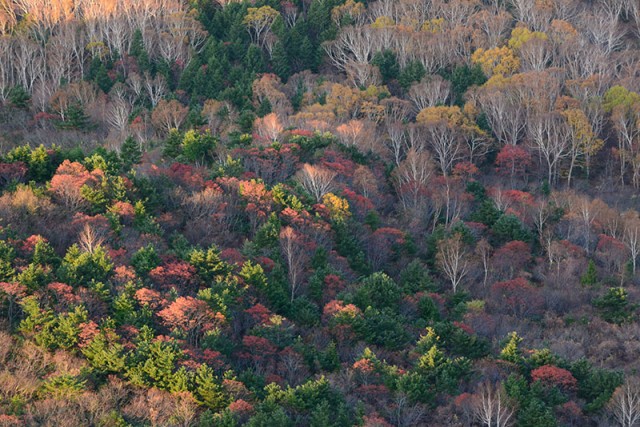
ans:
(490, 406)
(429, 92)
(625, 404)
(118, 114)
(631, 235)
(292, 249)
(452, 260)
(317, 180)
(412, 177)
(156, 88)
(549, 135)
(89, 239)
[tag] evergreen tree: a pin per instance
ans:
(130, 153)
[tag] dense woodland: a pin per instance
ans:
(319, 213)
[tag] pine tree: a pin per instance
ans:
(130, 153)
(590, 277)
(511, 352)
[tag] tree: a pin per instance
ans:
(294, 253)
(583, 141)
(452, 259)
(259, 21)
(430, 92)
(269, 127)
(316, 180)
(631, 236)
(130, 152)
(513, 161)
(412, 178)
(490, 406)
(443, 127)
(192, 316)
(625, 404)
(550, 136)
(169, 115)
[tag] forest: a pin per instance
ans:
(319, 213)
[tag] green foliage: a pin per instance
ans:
(416, 278)
(105, 353)
(508, 228)
(130, 153)
(614, 306)
(510, 352)
(462, 77)
(34, 277)
(197, 147)
(595, 385)
(208, 391)
(153, 364)
(412, 72)
(19, 97)
(208, 264)
(81, 267)
(378, 291)
(7, 254)
(486, 213)
(63, 386)
(382, 327)
(590, 277)
(145, 259)
(387, 63)
(48, 330)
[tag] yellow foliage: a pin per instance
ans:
(521, 35)
(582, 131)
(350, 8)
(337, 206)
(383, 22)
(260, 15)
(451, 115)
(496, 61)
(433, 25)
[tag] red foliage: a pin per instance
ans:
(468, 329)
(178, 274)
(360, 205)
(259, 313)
(333, 285)
(336, 307)
(518, 297)
(511, 258)
(69, 179)
(191, 315)
(241, 407)
(187, 176)
(153, 299)
(124, 274)
(465, 170)
(232, 256)
(336, 162)
(271, 164)
(88, 331)
(258, 348)
(63, 293)
(513, 160)
(10, 172)
(29, 244)
(364, 365)
(14, 289)
(125, 210)
(553, 376)
(611, 252)
(382, 244)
